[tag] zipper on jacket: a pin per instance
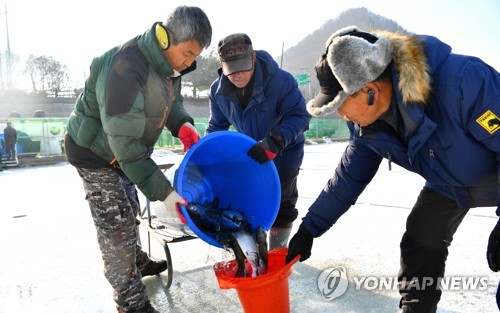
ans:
(164, 117)
(162, 122)
(389, 161)
(436, 163)
(432, 157)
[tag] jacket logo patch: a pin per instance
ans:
(489, 121)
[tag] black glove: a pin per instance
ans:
(266, 149)
(493, 252)
(301, 243)
(498, 296)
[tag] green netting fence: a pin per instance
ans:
(45, 136)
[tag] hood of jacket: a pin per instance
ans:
(409, 59)
(416, 57)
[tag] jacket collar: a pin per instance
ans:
(149, 47)
(410, 61)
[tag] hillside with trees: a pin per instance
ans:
(301, 58)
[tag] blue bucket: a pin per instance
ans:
(218, 166)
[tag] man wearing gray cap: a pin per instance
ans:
(264, 102)
(408, 99)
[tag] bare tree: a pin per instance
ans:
(205, 73)
(46, 74)
(35, 67)
(56, 77)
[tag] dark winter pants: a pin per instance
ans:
(424, 248)
(114, 206)
(287, 212)
(10, 150)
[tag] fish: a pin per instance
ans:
(261, 239)
(248, 245)
(241, 270)
(231, 228)
(209, 217)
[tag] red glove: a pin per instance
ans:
(188, 135)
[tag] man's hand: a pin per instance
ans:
(493, 252)
(188, 135)
(172, 210)
(266, 149)
(301, 243)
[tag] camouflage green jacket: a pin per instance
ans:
(129, 97)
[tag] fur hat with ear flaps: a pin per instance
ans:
(354, 58)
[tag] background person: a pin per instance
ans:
(131, 94)
(264, 102)
(407, 98)
(1, 154)
(10, 139)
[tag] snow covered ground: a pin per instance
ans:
(50, 261)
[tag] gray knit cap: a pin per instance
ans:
(352, 59)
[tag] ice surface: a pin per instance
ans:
(50, 261)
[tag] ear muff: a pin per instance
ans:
(162, 36)
(371, 97)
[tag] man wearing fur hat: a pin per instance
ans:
(408, 99)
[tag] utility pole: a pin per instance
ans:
(8, 60)
(2, 85)
(282, 52)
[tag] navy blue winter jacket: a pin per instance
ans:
(276, 104)
(453, 140)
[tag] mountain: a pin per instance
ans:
(301, 58)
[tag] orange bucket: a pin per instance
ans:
(264, 293)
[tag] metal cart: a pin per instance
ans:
(163, 235)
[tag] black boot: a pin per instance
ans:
(278, 237)
(153, 267)
(147, 308)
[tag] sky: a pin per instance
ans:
(74, 32)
